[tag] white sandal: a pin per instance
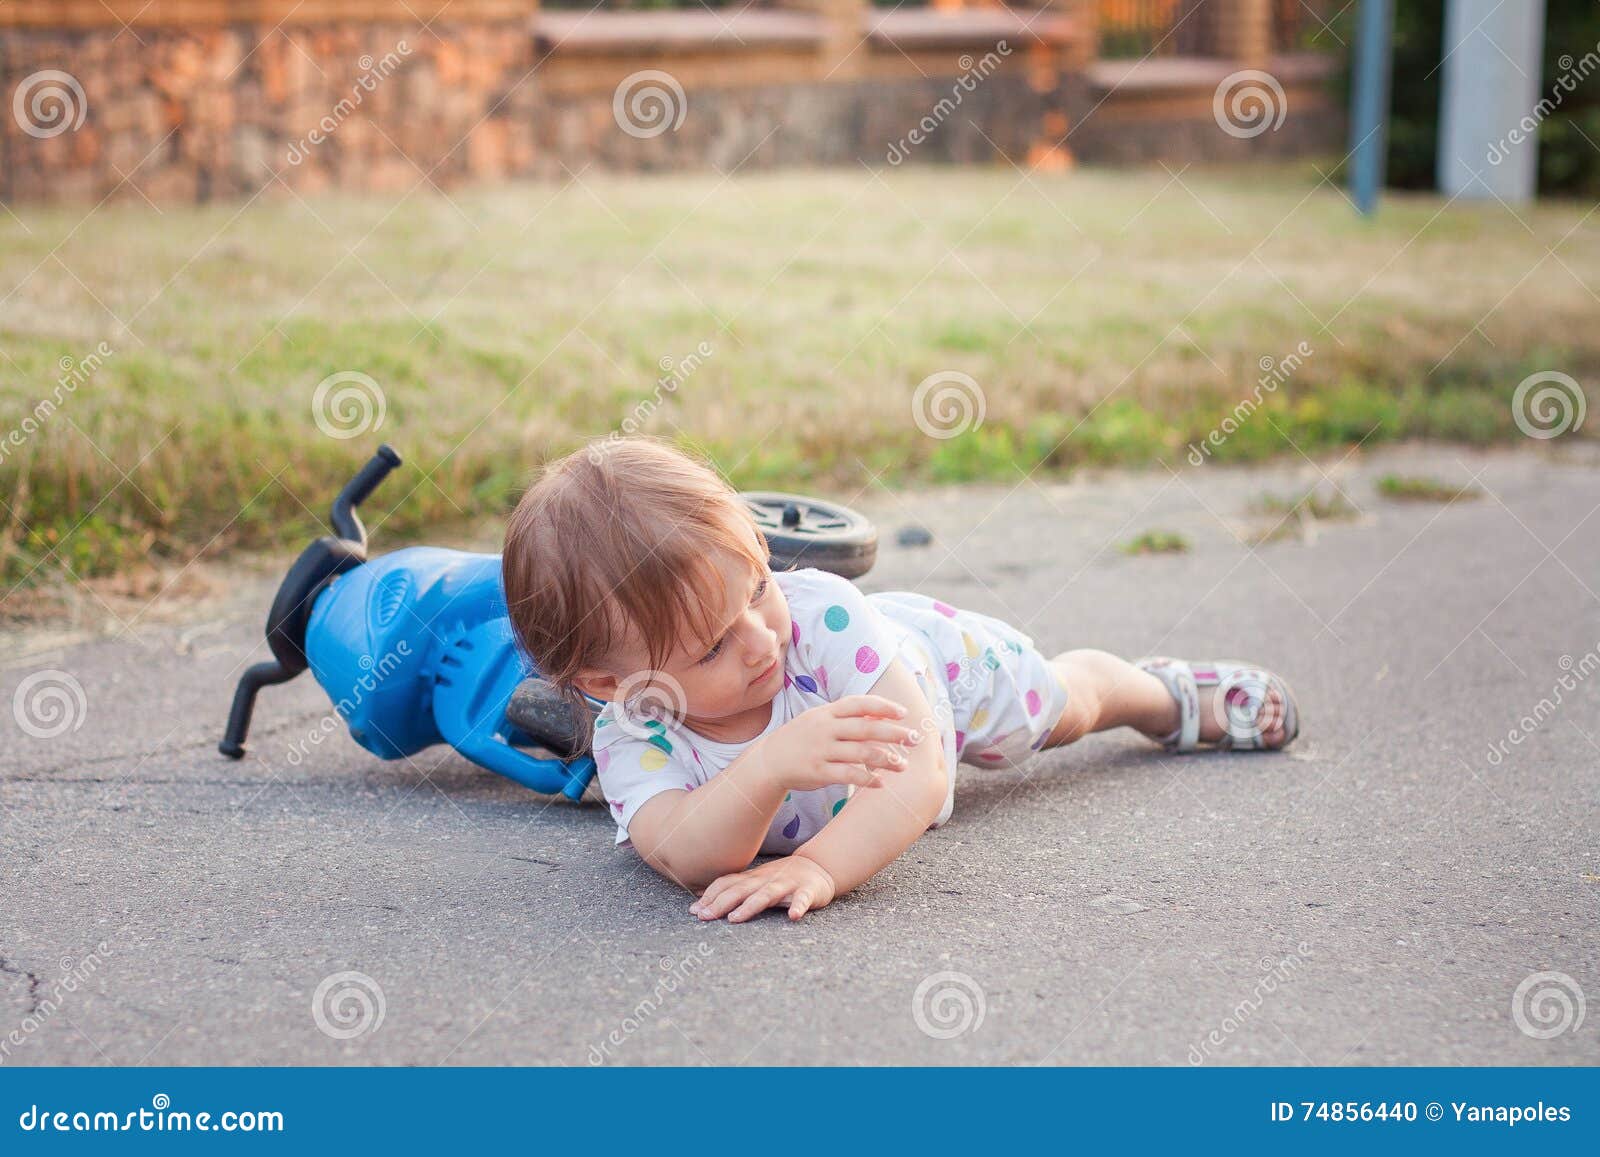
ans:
(1238, 703)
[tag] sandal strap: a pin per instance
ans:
(1242, 693)
(1179, 679)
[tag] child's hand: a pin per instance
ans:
(848, 741)
(801, 883)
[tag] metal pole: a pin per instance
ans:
(1369, 102)
(1489, 106)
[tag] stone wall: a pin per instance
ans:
(193, 100)
(889, 121)
(195, 113)
(1208, 109)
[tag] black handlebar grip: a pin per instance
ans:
(343, 516)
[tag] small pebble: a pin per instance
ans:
(1120, 905)
(913, 535)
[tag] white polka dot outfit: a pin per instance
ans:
(994, 698)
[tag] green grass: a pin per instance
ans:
(1294, 515)
(1156, 542)
(1410, 488)
(1107, 317)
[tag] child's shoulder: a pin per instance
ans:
(811, 592)
(627, 746)
(613, 727)
(810, 580)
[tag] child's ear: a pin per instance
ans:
(597, 685)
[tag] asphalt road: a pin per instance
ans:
(1377, 897)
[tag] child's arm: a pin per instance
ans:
(865, 836)
(879, 825)
(694, 837)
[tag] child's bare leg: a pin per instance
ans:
(1104, 691)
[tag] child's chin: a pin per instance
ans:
(757, 696)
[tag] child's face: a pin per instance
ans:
(742, 669)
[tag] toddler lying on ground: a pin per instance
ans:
(748, 712)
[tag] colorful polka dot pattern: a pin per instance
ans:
(968, 649)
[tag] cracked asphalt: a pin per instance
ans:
(1417, 883)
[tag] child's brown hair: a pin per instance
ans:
(621, 537)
